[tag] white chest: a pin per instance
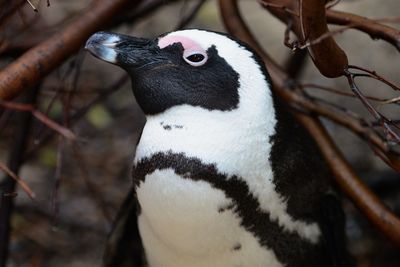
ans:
(189, 223)
(181, 223)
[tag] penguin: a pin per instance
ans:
(223, 175)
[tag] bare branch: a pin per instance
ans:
(20, 181)
(371, 27)
(373, 74)
(40, 116)
(391, 135)
(343, 93)
(327, 55)
(32, 5)
(35, 64)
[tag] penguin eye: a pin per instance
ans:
(195, 58)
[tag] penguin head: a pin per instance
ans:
(190, 67)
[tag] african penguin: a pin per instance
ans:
(223, 175)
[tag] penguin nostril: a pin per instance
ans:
(195, 58)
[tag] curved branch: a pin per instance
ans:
(309, 25)
(67, 133)
(351, 184)
(373, 28)
(285, 10)
(34, 65)
(327, 55)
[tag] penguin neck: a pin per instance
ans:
(255, 109)
(237, 141)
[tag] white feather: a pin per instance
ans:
(181, 226)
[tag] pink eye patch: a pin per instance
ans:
(188, 44)
(193, 53)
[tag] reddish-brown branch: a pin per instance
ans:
(362, 196)
(16, 46)
(323, 36)
(103, 94)
(372, 207)
(391, 134)
(35, 64)
(373, 28)
(8, 184)
(21, 182)
(342, 93)
(40, 116)
(284, 10)
(354, 125)
(373, 74)
(327, 56)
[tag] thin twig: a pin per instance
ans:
(18, 179)
(8, 184)
(55, 203)
(32, 5)
(373, 74)
(372, 27)
(283, 7)
(40, 116)
(114, 87)
(332, 4)
(390, 133)
(324, 36)
(394, 100)
(340, 92)
(75, 65)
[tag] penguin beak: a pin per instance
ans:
(122, 50)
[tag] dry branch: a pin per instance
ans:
(34, 65)
(328, 57)
(351, 184)
(40, 116)
(308, 24)
(17, 179)
(8, 183)
(373, 28)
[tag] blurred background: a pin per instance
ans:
(80, 188)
